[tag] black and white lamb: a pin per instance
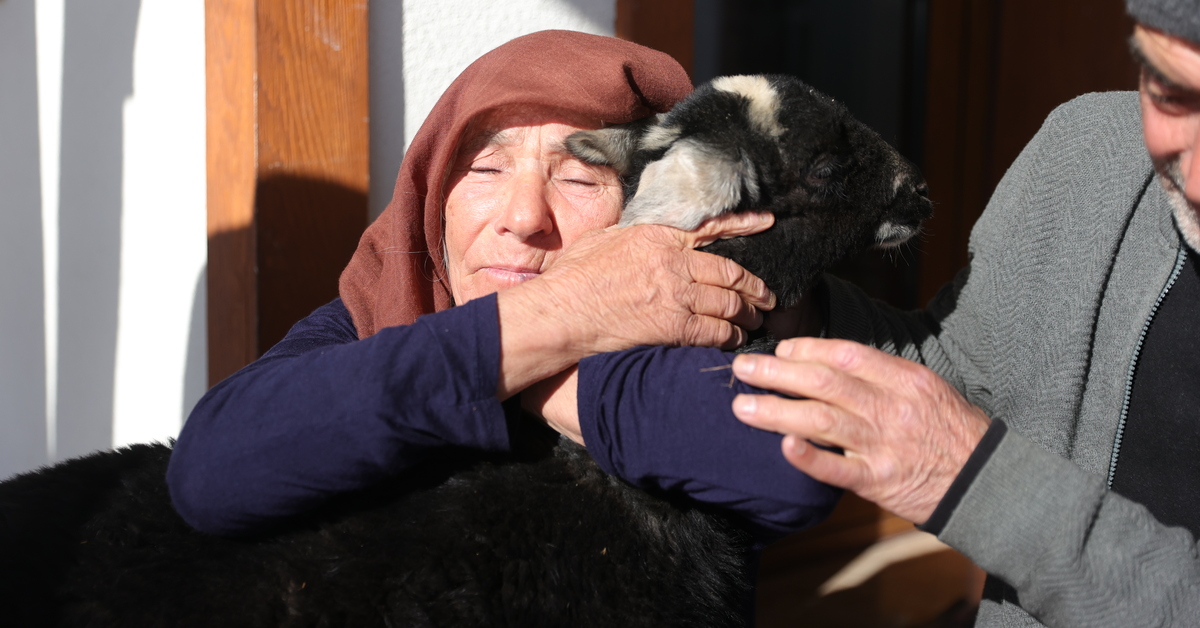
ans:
(539, 537)
(766, 143)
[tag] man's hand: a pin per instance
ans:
(904, 431)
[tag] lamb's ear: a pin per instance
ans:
(690, 184)
(612, 146)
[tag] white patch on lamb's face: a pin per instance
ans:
(659, 137)
(903, 175)
(890, 234)
(764, 101)
(688, 186)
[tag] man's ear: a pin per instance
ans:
(613, 146)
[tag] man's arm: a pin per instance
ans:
(1016, 334)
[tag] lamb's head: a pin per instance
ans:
(765, 143)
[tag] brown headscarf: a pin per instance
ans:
(397, 273)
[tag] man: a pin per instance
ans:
(1076, 329)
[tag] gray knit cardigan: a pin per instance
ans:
(1042, 330)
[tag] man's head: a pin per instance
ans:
(1166, 43)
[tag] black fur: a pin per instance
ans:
(540, 537)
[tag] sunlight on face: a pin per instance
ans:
(1170, 98)
(515, 198)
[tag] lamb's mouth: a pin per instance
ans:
(892, 234)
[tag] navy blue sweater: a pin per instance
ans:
(324, 413)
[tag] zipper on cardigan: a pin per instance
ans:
(1137, 351)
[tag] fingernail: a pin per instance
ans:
(785, 347)
(745, 405)
(744, 364)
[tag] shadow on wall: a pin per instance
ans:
(22, 320)
(262, 280)
(386, 59)
(97, 77)
(195, 374)
(599, 13)
(307, 231)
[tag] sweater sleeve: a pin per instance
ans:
(323, 413)
(661, 418)
(1076, 553)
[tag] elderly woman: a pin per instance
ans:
(486, 277)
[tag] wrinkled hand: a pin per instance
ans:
(620, 288)
(905, 432)
(646, 285)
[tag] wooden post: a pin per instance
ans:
(665, 25)
(287, 165)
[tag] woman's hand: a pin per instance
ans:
(554, 399)
(619, 288)
(646, 285)
(905, 432)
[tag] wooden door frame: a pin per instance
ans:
(287, 160)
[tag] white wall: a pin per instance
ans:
(22, 320)
(418, 47)
(161, 365)
(101, 292)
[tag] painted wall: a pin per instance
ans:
(103, 235)
(102, 197)
(22, 320)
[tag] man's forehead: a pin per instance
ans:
(1171, 61)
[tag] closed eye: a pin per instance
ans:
(1169, 98)
(821, 172)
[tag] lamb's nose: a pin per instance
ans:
(922, 190)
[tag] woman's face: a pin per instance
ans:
(516, 198)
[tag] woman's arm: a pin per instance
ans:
(660, 418)
(620, 288)
(323, 413)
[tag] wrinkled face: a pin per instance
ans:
(515, 198)
(1170, 95)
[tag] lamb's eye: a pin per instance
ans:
(821, 172)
